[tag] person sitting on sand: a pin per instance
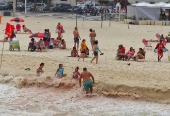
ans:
(32, 45)
(130, 54)
(121, 52)
(76, 73)
(83, 49)
(63, 44)
(57, 42)
(74, 52)
(40, 45)
(87, 82)
(139, 55)
(40, 69)
(26, 29)
(87, 52)
(4, 40)
(60, 71)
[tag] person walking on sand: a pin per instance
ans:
(76, 38)
(87, 82)
(160, 49)
(92, 37)
(95, 51)
(40, 69)
(59, 29)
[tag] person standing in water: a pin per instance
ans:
(87, 82)
(76, 38)
(95, 51)
(40, 69)
(59, 29)
(92, 37)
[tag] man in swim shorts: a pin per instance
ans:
(87, 82)
(76, 38)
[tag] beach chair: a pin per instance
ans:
(147, 45)
(18, 28)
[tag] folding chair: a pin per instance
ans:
(147, 45)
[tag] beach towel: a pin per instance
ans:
(85, 57)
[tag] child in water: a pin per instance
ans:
(40, 70)
(60, 71)
(76, 73)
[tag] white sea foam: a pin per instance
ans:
(42, 101)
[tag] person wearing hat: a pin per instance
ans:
(60, 29)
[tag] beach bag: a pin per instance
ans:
(57, 31)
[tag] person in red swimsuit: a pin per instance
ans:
(160, 47)
(60, 29)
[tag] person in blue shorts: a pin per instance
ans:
(87, 82)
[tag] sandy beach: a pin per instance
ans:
(147, 80)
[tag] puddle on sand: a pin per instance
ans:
(41, 101)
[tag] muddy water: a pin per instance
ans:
(49, 101)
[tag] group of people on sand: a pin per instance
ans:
(126, 56)
(48, 42)
(130, 55)
(84, 50)
(88, 78)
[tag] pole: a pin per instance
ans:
(101, 19)
(76, 15)
(2, 53)
(14, 8)
(110, 22)
(83, 21)
(25, 7)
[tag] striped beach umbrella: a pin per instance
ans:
(38, 35)
(17, 20)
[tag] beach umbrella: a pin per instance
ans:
(38, 35)
(17, 20)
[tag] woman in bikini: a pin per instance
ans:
(130, 53)
(140, 54)
(74, 52)
(95, 51)
(76, 73)
(63, 44)
(26, 29)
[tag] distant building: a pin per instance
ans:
(148, 1)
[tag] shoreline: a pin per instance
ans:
(148, 79)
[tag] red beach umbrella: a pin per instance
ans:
(38, 35)
(17, 20)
